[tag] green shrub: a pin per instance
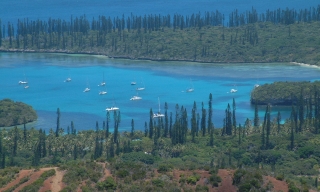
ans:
(109, 183)
(192, 179)
(122, 173)
(158, 182)
(164, 168)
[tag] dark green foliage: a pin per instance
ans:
(15, 113)
(138, 156)
(164, 168)
(193, 179)
(107, 184)
(284, 93)
(158, 183)
(215, 180)
(248, 180)
(58, 122)
(273, 35)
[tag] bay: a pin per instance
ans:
(167, 81)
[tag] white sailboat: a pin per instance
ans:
(233, 90)
(26, 86)
(103, 92)
(133, 82)
(103, 83)
(67, 80)
(25, 80)
(141, 88)
(87, 89)
(157, 115)
(191, 89)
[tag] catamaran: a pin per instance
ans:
(157, 115)
(112, 108)
(136, 97)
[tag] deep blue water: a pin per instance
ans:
(43, 9)
(164, 80)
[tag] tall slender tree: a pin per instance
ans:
(58, 122)
(210, 113)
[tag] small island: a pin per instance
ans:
(15, 113)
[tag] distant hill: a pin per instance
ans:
(15, 113)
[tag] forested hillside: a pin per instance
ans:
(276, 35)
(174, 152)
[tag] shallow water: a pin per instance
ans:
(164, 80)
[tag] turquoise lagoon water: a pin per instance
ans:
(164, 80)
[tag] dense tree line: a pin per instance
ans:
(277, 35)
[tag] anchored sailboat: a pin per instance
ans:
(141, 88)
(25, 80)
(191, 89)
(233, 90)
(87, 89)
(103, 83)
(157, 115)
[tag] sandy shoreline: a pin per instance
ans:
(102, 55)
(306, 65)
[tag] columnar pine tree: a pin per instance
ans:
(301, 104)
(151, 125)
(210, 113)
(132, 128)
(203, 120)
(58, 122)
(278, 121)
(292, 130)
(193, 122)
(146, 129)
(268, 126)
(166, 120)
(107, 125)
(256, 118)
(234, 122)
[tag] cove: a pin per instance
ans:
(168, 81)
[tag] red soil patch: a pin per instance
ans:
(54, 183)
(226, 183)
(277, 185)
(34, 176)
(22, 174)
